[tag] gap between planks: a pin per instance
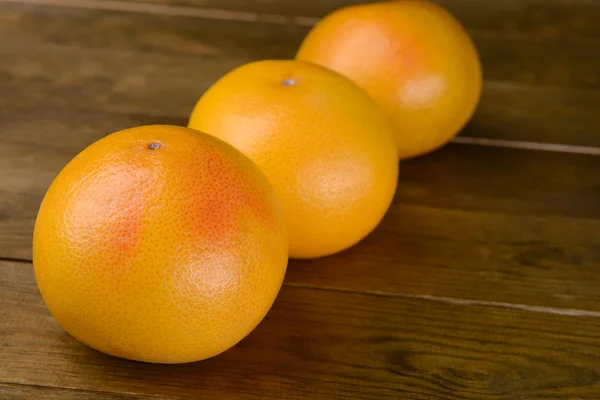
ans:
(16, 260)
(571, 312)
(512, 144)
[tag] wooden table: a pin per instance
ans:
(482, 282)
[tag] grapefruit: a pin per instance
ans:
(160, 244)
(326, 146)
(412, 57)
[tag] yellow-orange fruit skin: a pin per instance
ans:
(327, 147)
(160, 244)
(414, 59)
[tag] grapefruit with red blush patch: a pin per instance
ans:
(160, 244)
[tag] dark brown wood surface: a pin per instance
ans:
(160, 64)
(523, 232)
(480, 283)
(25, 392)
(325, 344)
(542, 18)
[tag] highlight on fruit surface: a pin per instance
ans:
(160, 244)
(412, 57)
(326, 146)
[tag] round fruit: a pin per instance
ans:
(413, 57)
(325, 145)
(160, 244)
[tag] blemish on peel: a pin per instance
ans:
(289, 82)
(154, 146)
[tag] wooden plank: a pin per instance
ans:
(542, 18)
(457, 176)
(34, 392)
(42, 71)
(529, 220)
(556, 62)
(537, 114)
(326, 344)
(120, 62)
(561, 61)
(478, 256)
(154, 85)
(26, 29)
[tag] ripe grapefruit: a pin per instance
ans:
(160, 244)
(414, 59)
(325, 145)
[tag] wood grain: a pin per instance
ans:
(536, 114)
(319, 344)
(541, 18)
(480, 283)
(169, 89)
(547, 61)
(29, 392)
(484, 257)
(529, 220)
(130, 63)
